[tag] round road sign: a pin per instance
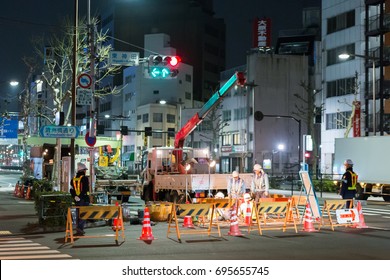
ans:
(85, 80)
(91, 141)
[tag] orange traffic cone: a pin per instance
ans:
(16, 191)
(21, 191)
(188, 222)
(361, 223)
(116, 223)
(248, 214)
(28, 193)
(234, 229)
(146, 234)
(308, 225)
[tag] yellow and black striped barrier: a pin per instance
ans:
(103, 212)
(329, 208)
(268, 209)
(182, 211)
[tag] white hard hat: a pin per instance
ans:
(81, 167)
(219, 195)
(247, 196)
(235, 174)
(257, 167)
(348, 161)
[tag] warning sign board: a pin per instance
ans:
(347, 216)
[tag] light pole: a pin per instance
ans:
(211, 165)
(187, 168)
(279, 148)
(345, 56)
(259, 116)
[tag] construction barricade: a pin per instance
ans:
(104, 212)
(187, 211)
(271, 215)
(222, 207)
(329, 213)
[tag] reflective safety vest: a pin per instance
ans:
(354, 179)
(77, 185)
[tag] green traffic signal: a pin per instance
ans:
(160, 72)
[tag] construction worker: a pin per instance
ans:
(243, 207)
(236, 186)
(80, 193)
(260, 183)
(348, 182)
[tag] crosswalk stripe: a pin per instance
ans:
(17, 248)
(31, 257)
(23, 248)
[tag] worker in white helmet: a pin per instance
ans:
(348, 182)
(244, 206)
(236, 186)
(260, 183)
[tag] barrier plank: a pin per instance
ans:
(264, 210)
(329, 208)
(104, 212)
(179, 211)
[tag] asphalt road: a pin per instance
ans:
(19, 221)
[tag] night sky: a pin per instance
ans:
(20, 20)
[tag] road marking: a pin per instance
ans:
(18, 248)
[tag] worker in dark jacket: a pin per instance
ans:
(80, 193)
(348, 182)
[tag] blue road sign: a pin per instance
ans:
(53, 131)
(8, 130)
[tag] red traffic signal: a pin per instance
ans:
(307, 155)
(171, 60)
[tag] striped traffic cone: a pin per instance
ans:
(116, 223)
(308, 225)
(361, 223)
(146, 234)
(234, 229)
(248, 214)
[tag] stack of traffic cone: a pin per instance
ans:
(116, 223)
(248, 215)
(234, 229)
(308, 225)
(188, 222)
(146, 234)
(361, 223)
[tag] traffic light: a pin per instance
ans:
(124, 130)
(307, 154)
(163, 67)
(148, 131)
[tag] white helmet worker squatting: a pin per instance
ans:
(235, 174)
(247, 196)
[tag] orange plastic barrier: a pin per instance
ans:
(264, 210)
(95, 213)
(180, 211)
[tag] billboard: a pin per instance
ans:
(9, 130)
(261, 33)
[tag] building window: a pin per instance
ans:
(337, 120)
(157, 135)
(157, 117)
(340, 87)
(188, 95)
(227, 115)
(240, 114)
(226, 140)
(171, 118)
(145, 118)
(139, 117)
(341, 22)
(333, 54)
(236, 139)
(156, 91)
(188, 78)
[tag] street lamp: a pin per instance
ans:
(280, 147)
(187, 168)
(211, 165)
(345, 56)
